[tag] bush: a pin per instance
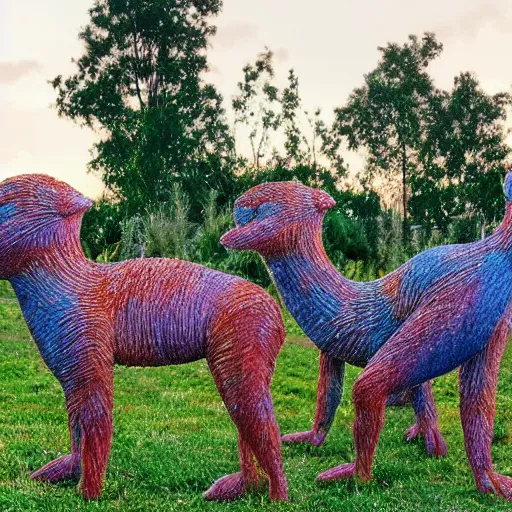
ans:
(101, 227)
(464, 230)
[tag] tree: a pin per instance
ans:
(462, 159)
(257, 104)
(386, 115)
(290, 107)
(301, 147)
(139, 85)
(265, 110)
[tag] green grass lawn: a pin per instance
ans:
(173, 438)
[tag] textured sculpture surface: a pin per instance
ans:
(85, 317)
(447, 307)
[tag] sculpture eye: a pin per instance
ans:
(244, 215)
(265, 210)
(6, 212)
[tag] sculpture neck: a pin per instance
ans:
(60, 255)
(308, 283)
(50, 290)
(305, 244)
(504, 231)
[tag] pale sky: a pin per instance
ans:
(330, 44)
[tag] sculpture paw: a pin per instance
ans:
(495, 483)
(310, 437)
(342, 472)
(278, 490)
(227, 488)
(435, 444)
(63, 468)
(92, 491)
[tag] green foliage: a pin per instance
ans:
(290, 104)
(216, 222)
(392, 253)
(168, 231)
(109, 254)
(139, 83)
(356, 270)
(361, 213)
(133, 238)
(464, 230)
(387, 114)
(256, 104)
(463, 157)
(246, 264)
(101, 227)
(345, 237)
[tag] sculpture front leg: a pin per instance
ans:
(330, 390)
(89, 403)
(426, 425)
(66, 467)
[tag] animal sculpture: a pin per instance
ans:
(348, 321)
(85, 317)
(448, 307)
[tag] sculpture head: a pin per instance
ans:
(507, 186)
(271, 217)
(35, 212)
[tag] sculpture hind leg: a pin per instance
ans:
(233, 486)
(330, 391)
(426, 425)
(422, 349)
(478, 380)
(241, 355)
(250, 406)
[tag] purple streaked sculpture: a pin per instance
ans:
(85, 317)
(448, 307)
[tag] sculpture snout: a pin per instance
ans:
(323, 201)
(73, 202)
(229, 239)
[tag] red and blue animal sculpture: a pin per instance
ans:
(85, 317)
(447, 307)
(349, 321)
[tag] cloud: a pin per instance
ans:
(11, 72)
(281, 55)
(234, 33)
(471, 21)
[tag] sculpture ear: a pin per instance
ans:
(507, 186)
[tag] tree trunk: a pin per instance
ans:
(404, 194)
(482, 228)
